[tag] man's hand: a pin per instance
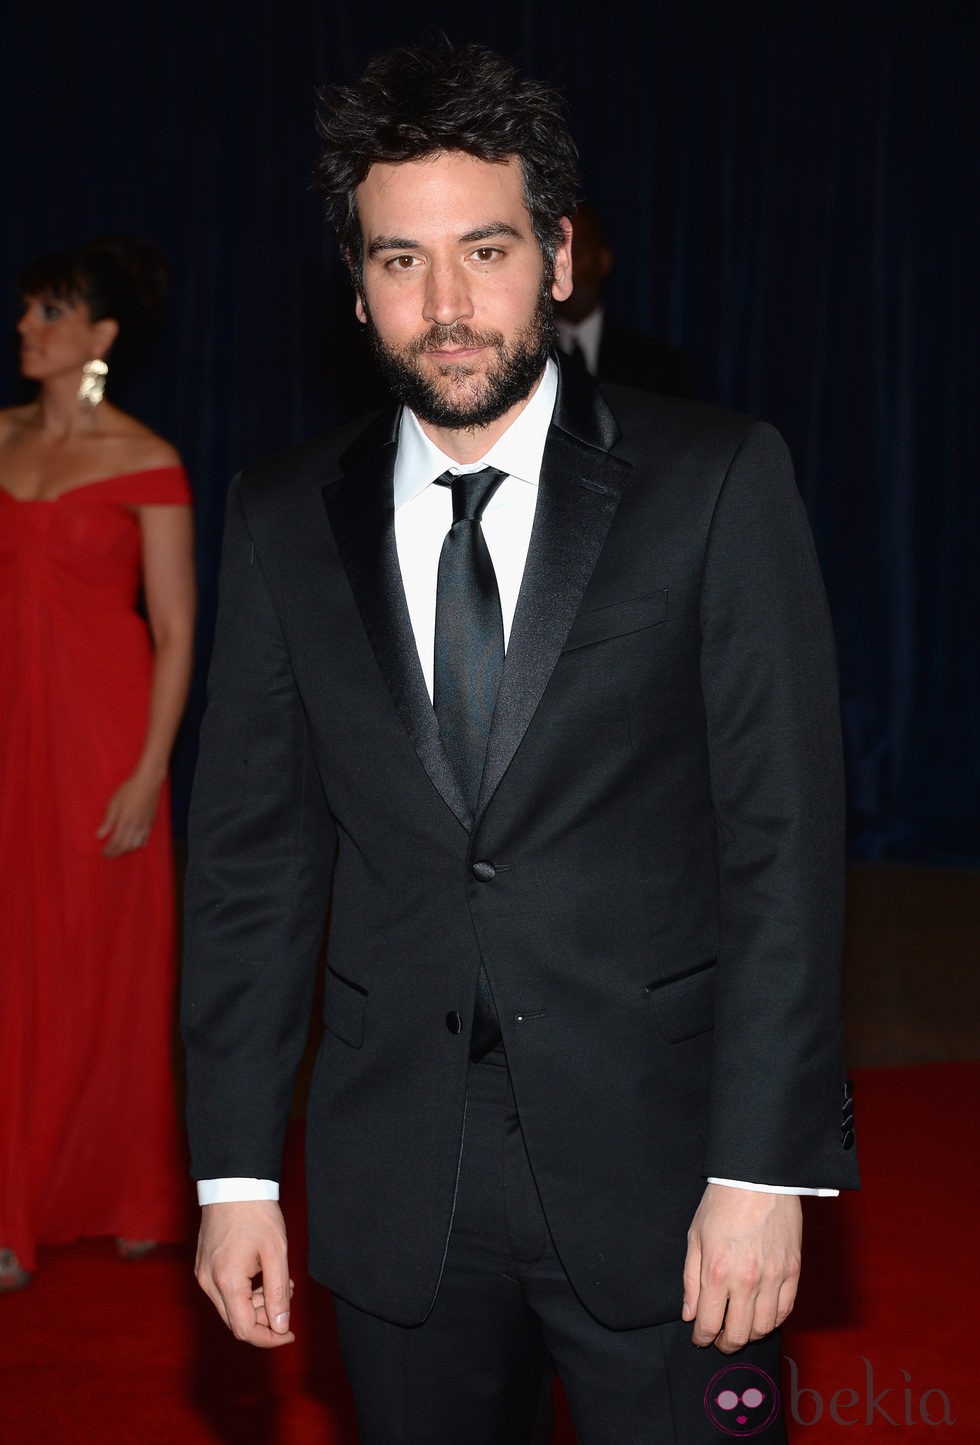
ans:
(742, 1266)
(237, 1243)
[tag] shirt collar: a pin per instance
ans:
(588, 334)
(518, 452)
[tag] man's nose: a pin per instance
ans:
(447, 296)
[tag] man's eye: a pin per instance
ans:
(486, 253)
(401, 263)
(50, 313)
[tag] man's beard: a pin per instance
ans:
(507, 381)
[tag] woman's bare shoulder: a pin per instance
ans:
(139, 448)
(16, 419)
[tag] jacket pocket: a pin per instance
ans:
(685, 1006)
(343, 1008)
(617, 620)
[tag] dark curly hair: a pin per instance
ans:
(418, 101)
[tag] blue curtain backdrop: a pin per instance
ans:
(790, 190)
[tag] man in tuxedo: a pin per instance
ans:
(534, 687)
(610, 351)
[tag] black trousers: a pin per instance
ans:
(472, 1373)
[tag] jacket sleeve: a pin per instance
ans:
(261, 848)
(769, 682)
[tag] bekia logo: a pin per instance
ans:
(894, 1403)
(741, 1400)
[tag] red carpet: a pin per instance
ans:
(891, 1280)
(882, 1341)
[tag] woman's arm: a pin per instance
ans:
(168, 581)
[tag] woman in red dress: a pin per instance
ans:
(94, 520)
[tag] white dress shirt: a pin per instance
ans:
(423, 516)
(424, 513)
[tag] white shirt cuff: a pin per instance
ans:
(235, 1191)
(775, 1188)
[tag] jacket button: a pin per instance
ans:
(454, 1023)
(483, 871)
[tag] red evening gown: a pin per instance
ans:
(89, 1141)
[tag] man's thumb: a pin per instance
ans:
(277, 1297)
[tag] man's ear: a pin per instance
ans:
(561, 284)
(360, 310)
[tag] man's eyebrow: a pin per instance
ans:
(496, 228)
(481, 233)
(391, 243)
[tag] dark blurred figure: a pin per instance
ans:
(356, 384)
(610, 351)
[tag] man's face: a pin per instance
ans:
(456, 292)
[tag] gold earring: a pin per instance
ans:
(92, 389)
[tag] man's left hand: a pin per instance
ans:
(742, 1266)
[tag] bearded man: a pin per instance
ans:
(534, 685)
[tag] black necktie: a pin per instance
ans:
(469, 657)
(469, 640)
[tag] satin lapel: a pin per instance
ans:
(361, 513)
(579, 492)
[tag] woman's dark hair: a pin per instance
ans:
(122, 277)
(416, 102)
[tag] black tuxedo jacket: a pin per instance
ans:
(653, 875)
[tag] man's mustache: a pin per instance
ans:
(437, 338)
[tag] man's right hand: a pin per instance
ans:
(237, 1243)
